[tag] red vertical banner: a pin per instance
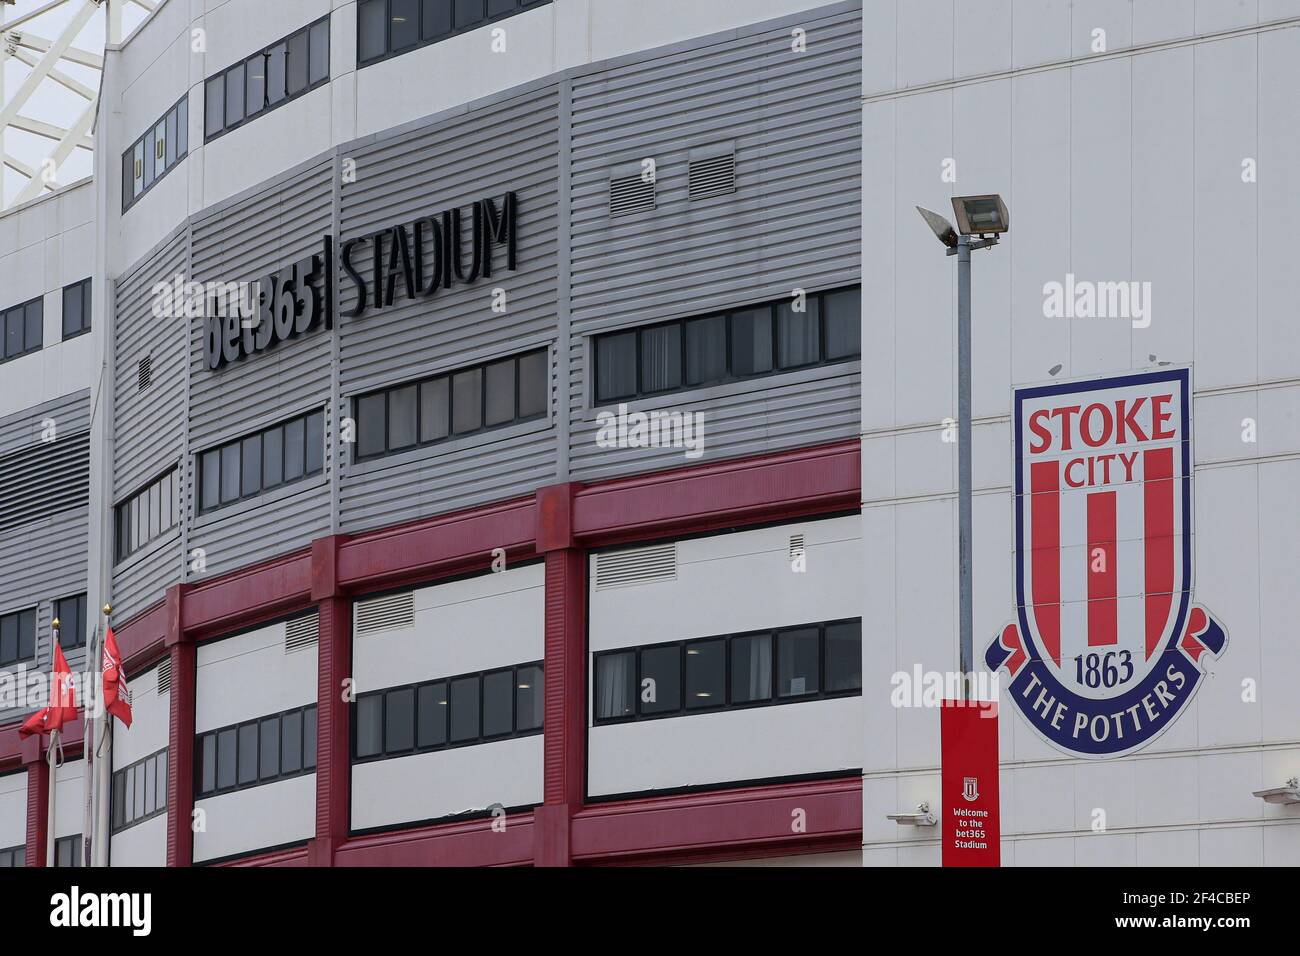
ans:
(972, 831)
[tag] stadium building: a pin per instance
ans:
(518, 432)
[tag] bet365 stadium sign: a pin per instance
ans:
(1107, 648)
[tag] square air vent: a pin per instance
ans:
(164, 675)
(712, 176)
(620, 569)
(385, 613)
(144, 373)
(630, 194)
(302, 632)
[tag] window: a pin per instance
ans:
(23, 327)
(67, 851)
(458, 403)
(388, 27)
(743, 343)
(139, 791)
(259, 751)
(248, 466)
(811, 661)
(148, 514)
(71, 614)
(17, 637)
(76, 309)
(162, 146)
(456, 711)
(274, 75)
(13, 856)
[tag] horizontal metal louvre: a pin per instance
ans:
(383, 613)
(165, 675)
(796, 547)
(714, 176)
(144, 373)
(300, 633)
(637, 566)
(630, 194)
(44, 479)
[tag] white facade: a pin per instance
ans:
(1164, 159)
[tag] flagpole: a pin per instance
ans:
(103, 776)
(52, 755)
(90, 705)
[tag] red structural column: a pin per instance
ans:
(566, 692)
(334, 646)
(180, 750)
(38, 800)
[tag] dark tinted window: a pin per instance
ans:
(401, 417)
(500, 395)
(435, 409)
(706, 674)
(255, 84)
(208, 779)
(533, 382)
(309, 737)
(660, 681)
(226, 746)
(296, 68)
(76, 308)
(751, 668)
(272, 457)
(247, 753)
(469, 12)
(842, 316)
(616, 687)
(431, 713)
(269, 748)
(214, 106)
(616, 366)
(252, 465)
(404, 20)
(844, 656)
(319, 55)
(369, 730)
(314, 453)
(438, 19)
(706, 350)
(267, 78)
(291, 742)
(796, 663)
(751, 341)
(467, 401)
(295, 449)
(797, 335)
(399, 720)
(372, 29)
(661, 358)
(371, 425)
(234, 94)
(498, 703)
(230, 472)
(464, 709)
(530, 698)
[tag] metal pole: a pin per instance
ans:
(965, 612)
(51, 755)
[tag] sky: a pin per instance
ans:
(52, 102)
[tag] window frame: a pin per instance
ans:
(83, 618)
(17, 614)
(730, 375)
(121, 542)
(267, 106)
(146, 141)
(27, 348)
(522, 6)
(728, 703)
(448, 743)
(238, 444)
(160, 794)
(258, 778)
(85, 285)
(452, 435)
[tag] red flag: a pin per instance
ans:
(116, 695)
(63, 700)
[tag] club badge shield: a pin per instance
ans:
(1107, 647)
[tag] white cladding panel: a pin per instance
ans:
(144, 844)
(150, 721)
(432, 785)
(250, 675)
(487, 621)
(735, 582)
(69, 798)
(726, 584)
(783, 740)
(1124, 169)
(272, 814)
(13, 809)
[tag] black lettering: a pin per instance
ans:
(355, 276)
(500, 227)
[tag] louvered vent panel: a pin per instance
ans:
(300, 633)
(714, 176)
(165, 675)
(144, 373)
(638, 566)
(630, 194)
(44, 479)
(796, 546)
(383, 613)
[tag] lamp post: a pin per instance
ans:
(984, 217)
